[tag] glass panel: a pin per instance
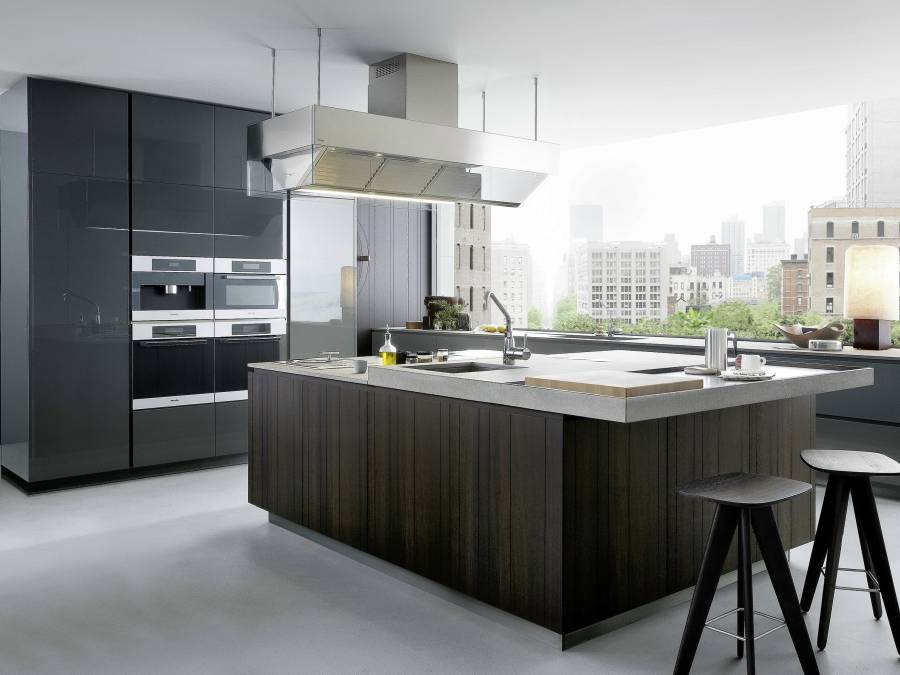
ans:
(250, 294)
(322, 276)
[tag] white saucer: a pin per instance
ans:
(740, 376)
(701, 370)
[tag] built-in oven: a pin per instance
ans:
(173, 364)
(250, 288)
(171, 288)
(242, 342)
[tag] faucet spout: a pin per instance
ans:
(511, 353)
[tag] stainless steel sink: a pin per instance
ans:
(459, 367)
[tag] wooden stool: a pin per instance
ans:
(849, 473)
(744, 500)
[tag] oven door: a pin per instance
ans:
(240, 296)
(239, 343)
(172, 365)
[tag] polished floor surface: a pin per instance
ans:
(180, 575)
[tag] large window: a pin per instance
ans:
(669, 235)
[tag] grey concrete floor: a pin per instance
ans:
(180, 575)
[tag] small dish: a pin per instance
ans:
(701, 370)
(740, 376)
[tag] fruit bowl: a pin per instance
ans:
(801, 335)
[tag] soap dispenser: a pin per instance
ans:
(388, 351)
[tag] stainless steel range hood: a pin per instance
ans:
(323, 149)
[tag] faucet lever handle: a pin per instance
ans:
(525, 341)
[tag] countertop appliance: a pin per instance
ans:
(248, 289)
(171, 288)
(172, 364)
(239, 343)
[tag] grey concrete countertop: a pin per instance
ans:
(505, 386)
(644, 342)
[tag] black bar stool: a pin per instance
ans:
(849, 473)
(744, 500)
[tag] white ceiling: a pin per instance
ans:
(609, 70)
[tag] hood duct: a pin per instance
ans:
(331, 150)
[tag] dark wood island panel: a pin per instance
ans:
(563, 521)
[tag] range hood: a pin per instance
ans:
(331, 150)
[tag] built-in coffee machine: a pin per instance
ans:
(171, 289)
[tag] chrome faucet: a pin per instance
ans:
(71, 294)
(511, 353)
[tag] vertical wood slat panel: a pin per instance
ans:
(286, 453)
(528, 498)
(553, 524)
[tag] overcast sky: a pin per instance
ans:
(688, 183)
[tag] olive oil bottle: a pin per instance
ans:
(388, 351)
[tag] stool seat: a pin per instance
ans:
(851, 462)
(744, 489)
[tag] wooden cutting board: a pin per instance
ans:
(615, 383)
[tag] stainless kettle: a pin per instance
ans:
(716, 350)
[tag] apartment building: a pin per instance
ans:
(873, 153)
(472, 259)
(623, 282)
(833, 228)
(687, 288)
(734, 234)
(712, 259)
(794, 285)
(511, 279)
(764, 255)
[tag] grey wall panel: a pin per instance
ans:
(396, 278)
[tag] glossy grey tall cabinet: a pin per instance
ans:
(64, 291)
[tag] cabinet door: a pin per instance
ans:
(231, 428)
(249, 227)
(231, 150)
(77, 129)
(172, 141)
(80, 340)
(172, 220)
(179, 434)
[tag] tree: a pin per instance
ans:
(733, 315)
(535, 318)
(567, 318)
(773, 284)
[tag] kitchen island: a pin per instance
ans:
(556, 506)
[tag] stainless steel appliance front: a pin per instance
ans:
(171, 288)
(250, 289)
(172, 364)
(239, 343)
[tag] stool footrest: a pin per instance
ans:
(709, 624)
(875, 589)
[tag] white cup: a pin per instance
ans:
(752, 363)
(359, 365)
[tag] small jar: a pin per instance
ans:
(425, 357)
(442, 355)
(411, 358)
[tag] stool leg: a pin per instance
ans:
(710, 570)
(820, 545)
(867, 564)
(770, 546)
(834, 558)
(867, 515)
(747, 591)
(740, 589)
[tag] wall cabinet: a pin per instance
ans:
(80, 314)
(248, 226)
(79, 130)
(231, 149)
(172, 220)
(172, 141)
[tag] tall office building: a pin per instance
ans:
(763, 255)
(832, 230)
(511, 280)
(620, 282)
(773, 221)
(873, 153)
(472, 259)
(712, 259)
(586, 222)
(794, 285)
(734, 235)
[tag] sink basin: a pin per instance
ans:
(459, 367)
